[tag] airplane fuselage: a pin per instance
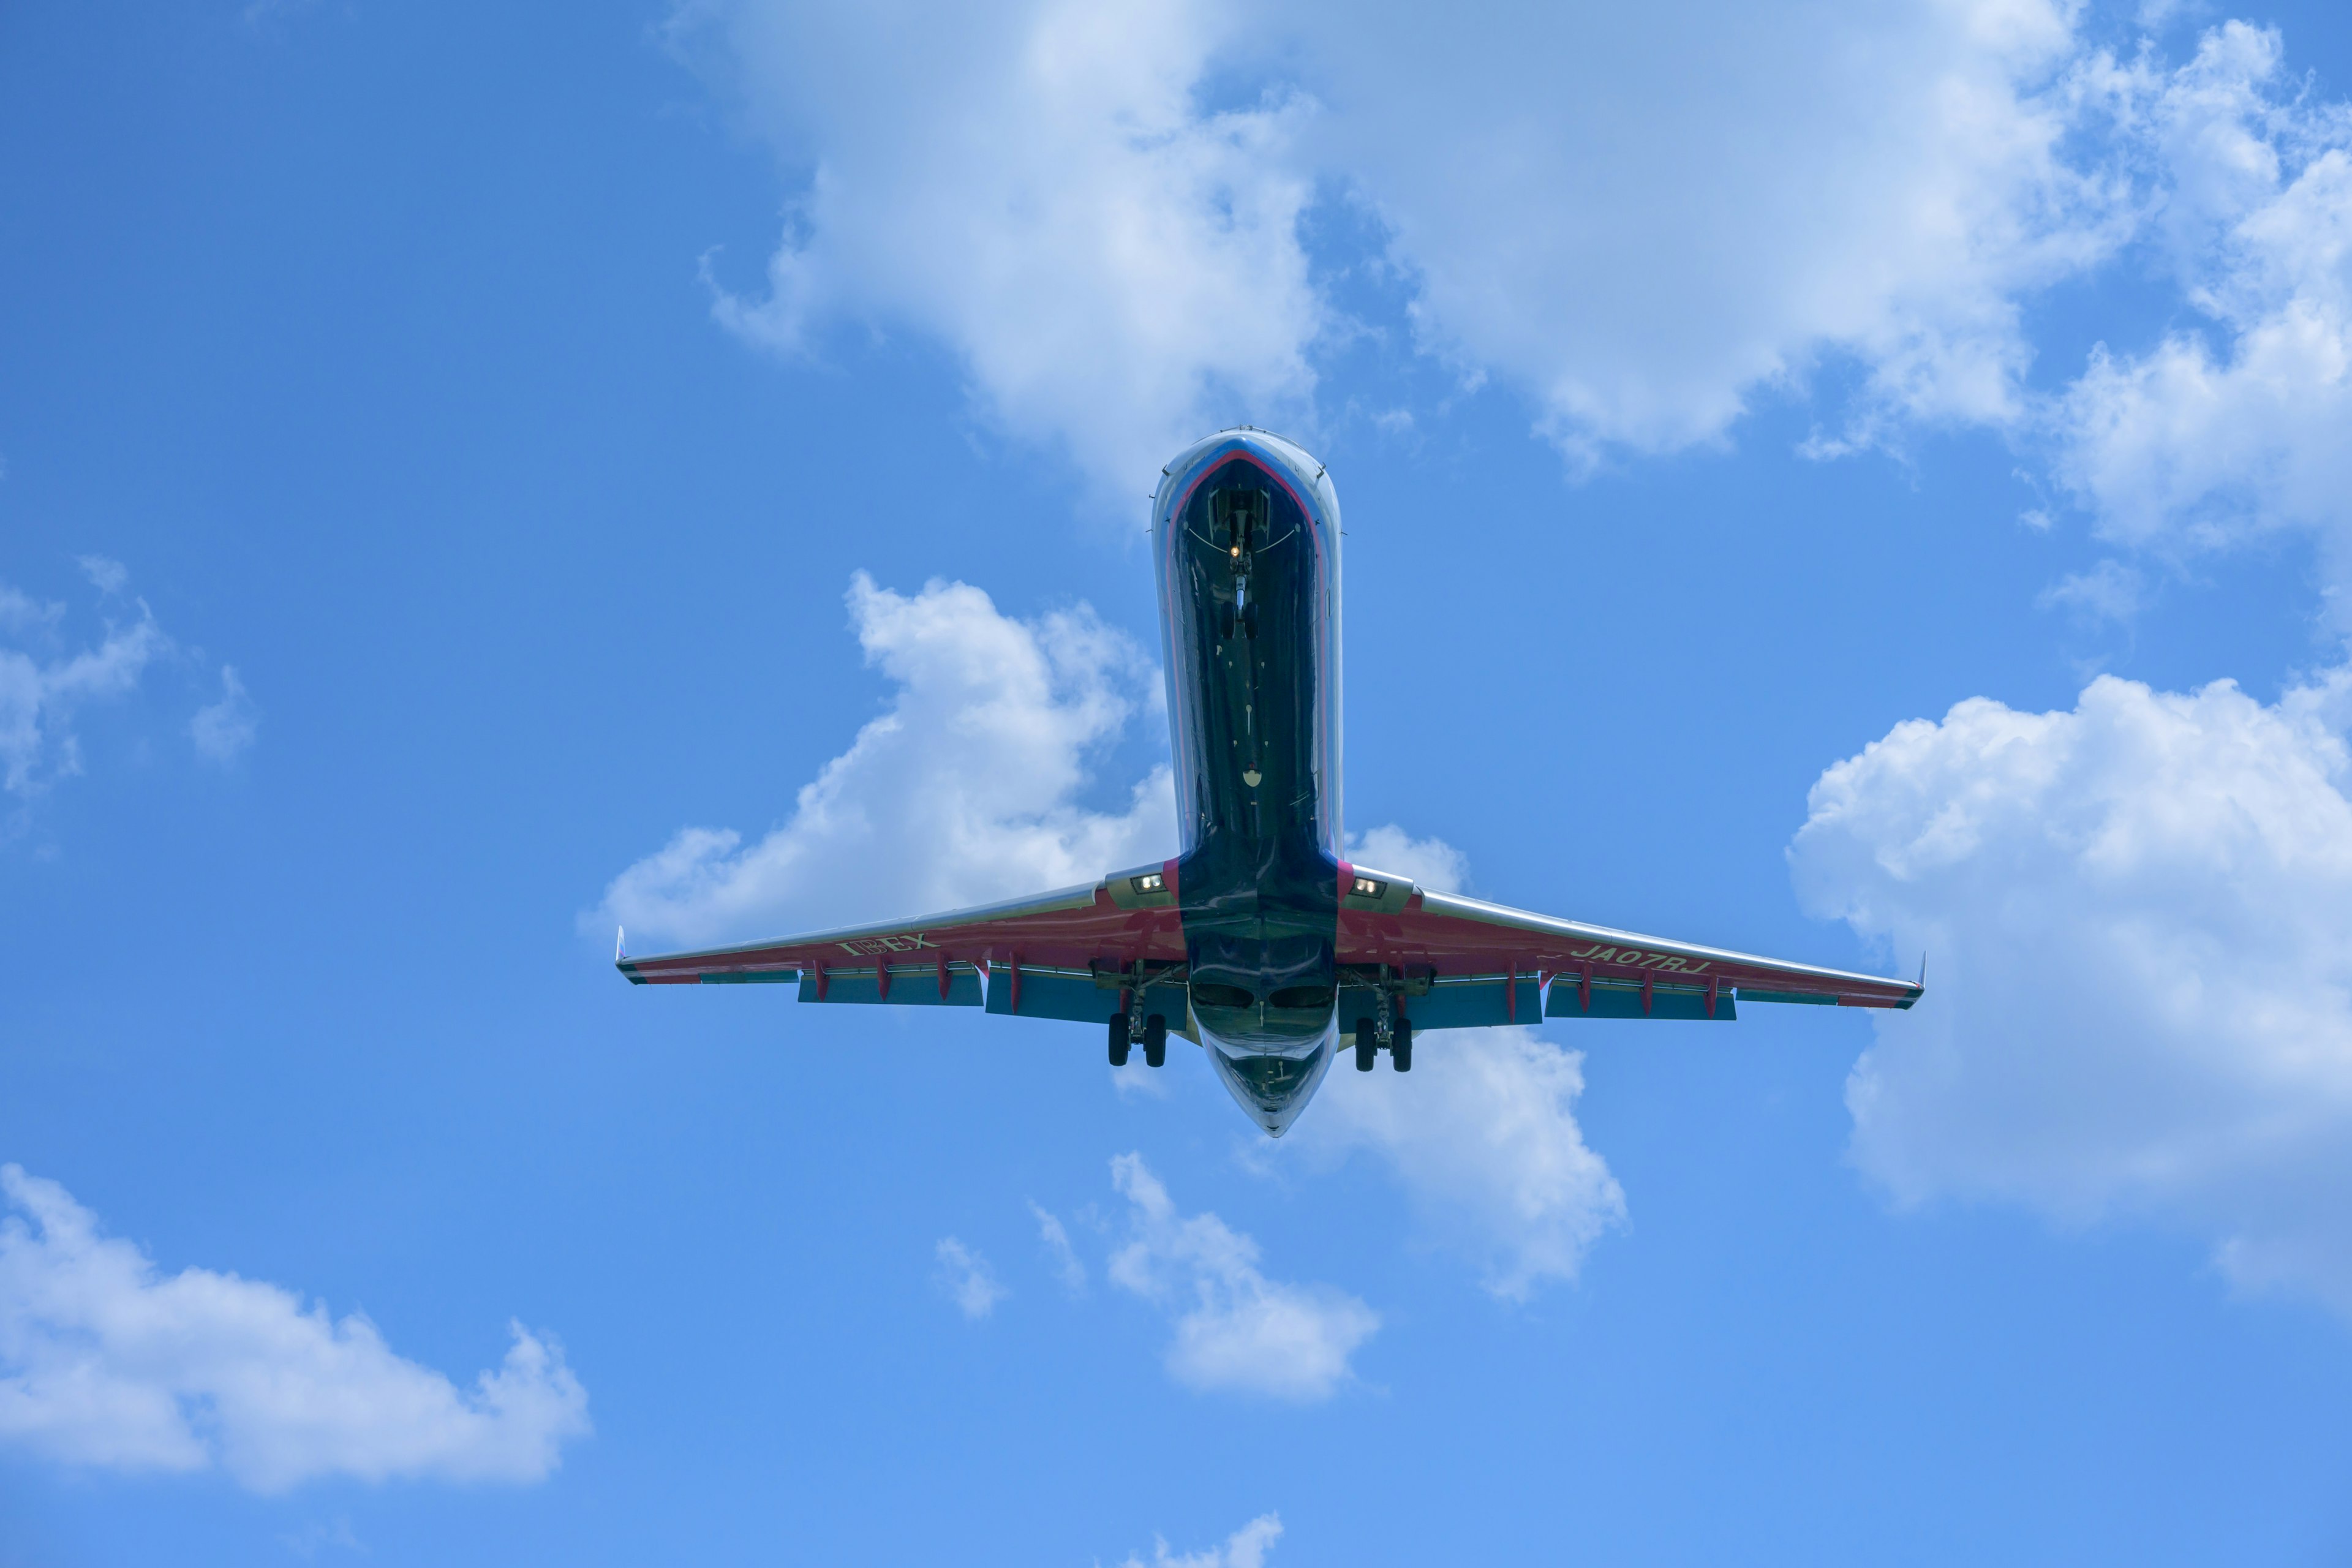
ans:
(1257, 940)
(1245, 535)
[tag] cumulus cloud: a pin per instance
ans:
(222, 730)
(965, 790)
(1483, 1138)
(1644, 216)
(1100, 214)
(1235, 1329)
(1245, 1548)
(2141, 996)
(105, 1362)
(1037, 183)
(2197, 443)
(38, 695)
(1432, 862)
(967, 1279)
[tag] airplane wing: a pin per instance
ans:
(1465, 963)
(1063, 954)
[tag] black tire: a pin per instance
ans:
(1119, 1039)
(1367, 1045)
(1225, 622)
(1249, 623)
(1155, 1041)
(1400, 1045)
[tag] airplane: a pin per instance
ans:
(1258, 942)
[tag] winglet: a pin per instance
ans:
(1922, 969)
(621, 946)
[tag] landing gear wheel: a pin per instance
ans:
(1249, 623)
(1225, 622)
(1367, 1045)
(1119, 1039)
(1155, 1041)
(1401, 1047)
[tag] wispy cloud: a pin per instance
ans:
(966, 1279)
(1056, 1240)
(1245, 1548)
(108, 574)
(39, 695)
(45, 683)
(223, 730)
(2110, 592)
(105, 1362)
(1235, 1329)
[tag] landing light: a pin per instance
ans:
(1149, 882)
(1366, 888)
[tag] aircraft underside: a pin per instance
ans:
(1256, 940)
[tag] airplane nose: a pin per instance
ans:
(1272, 1088)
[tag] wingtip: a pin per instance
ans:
(620, 944)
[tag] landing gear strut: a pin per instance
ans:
(1386, 1030)
(1126, 1023)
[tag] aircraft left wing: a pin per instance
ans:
(1063, 954)
(1464, 962)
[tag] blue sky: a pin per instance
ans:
(1804, 474)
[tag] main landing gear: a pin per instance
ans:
(1155, 1040)
(1368, 1044)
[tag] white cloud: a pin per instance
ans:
(2110, 591)
(1432, 862)
(967, 1279)
(224, 729)
(1139, 1079)
(1035, 184)
(1235, 1329)
(37, 696)
(1483, 1137)
(2189, 446)
(1639, 219)
(1643, 216)
(1056, 1240)
(1245, 1548)
(106, 573)
(106, 1363)
(965, 790)
(2140, 1001)
(22, 615)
